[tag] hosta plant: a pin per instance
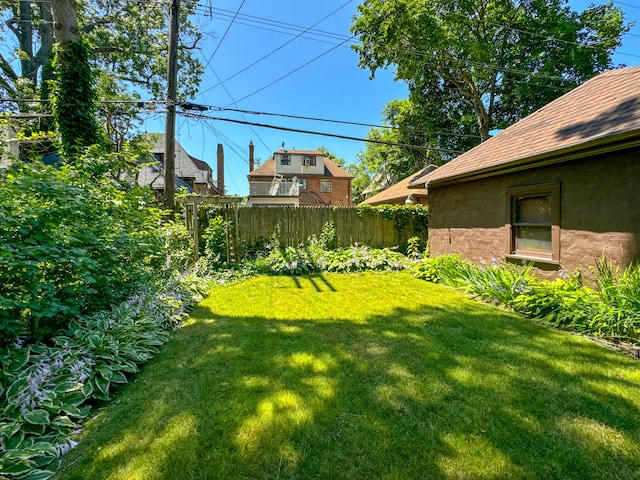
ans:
(46, 390)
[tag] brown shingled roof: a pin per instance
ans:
(400, 191)
(593, 117)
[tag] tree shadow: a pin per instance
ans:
(459, 391)
(608, 121)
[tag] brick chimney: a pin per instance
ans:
(251, 164)
(220, 169)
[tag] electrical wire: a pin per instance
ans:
(280, 47)
(225, 34)
(324, 134)
(290, 73)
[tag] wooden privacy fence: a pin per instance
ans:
(352, 225)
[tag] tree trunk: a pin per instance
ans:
(65, 23)
(25, 39)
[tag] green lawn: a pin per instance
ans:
(366, 376)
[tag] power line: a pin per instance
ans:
(197, 107)
(291, 72)
(235, 103)
(278, 48)
(225, 34)
(626, 4)
(324, 134)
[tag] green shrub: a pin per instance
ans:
(72, 243)
(215, 240)
(409, 220)
(327, 240)
(562, 302)
(611, 310)
(359, 258)
(445, 269)
(46, 391)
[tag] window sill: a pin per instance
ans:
(541, 262)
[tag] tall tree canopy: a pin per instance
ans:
(128, 44)
(477, 65)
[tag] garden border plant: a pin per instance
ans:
(609, 310)
(90, 286)
(47, 390)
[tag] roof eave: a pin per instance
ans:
(591, 148)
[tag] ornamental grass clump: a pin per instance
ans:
(618, 291)
(610, 309)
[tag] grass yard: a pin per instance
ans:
(366, 376)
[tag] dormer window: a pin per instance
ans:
(309, 160)
(285, 159)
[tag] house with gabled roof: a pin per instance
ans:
(560, 188)
(404, 192)
(298, 178)
(191, 174)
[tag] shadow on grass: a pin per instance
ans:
(443, 391)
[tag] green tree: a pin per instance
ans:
(331, 156)
(494, 61)
(74, 105)
(128, 46)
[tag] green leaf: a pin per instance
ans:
(87, 390)
(101, 396)
(105, 371)
(66, 387)
(9, 429)
(102, 384)
(71, 410)
(14, 441)
(118, 377)
(75, 398)
(39, 475)
(19, 468)
(95, 341)
(37, 417)
(64, 421)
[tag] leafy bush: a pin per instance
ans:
(215, 238)
(445, 269)
(562, 302)
(46, 391)
(359, 258)
(72, 243)
(327, 240)
(319, 255)
(610, 310)
(409, 220)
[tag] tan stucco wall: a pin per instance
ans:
(599, 212)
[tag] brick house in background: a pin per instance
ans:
(560, 188)
(298, 178)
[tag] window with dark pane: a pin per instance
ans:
(532, 224)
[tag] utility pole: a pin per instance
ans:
(170, 124)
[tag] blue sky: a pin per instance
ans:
(295, 72)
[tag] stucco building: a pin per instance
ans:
(560, 188)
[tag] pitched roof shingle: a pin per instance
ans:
(601, 111)
(400, 190)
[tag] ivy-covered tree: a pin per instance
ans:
(74, 104)
(495, 61)
(128, 42)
